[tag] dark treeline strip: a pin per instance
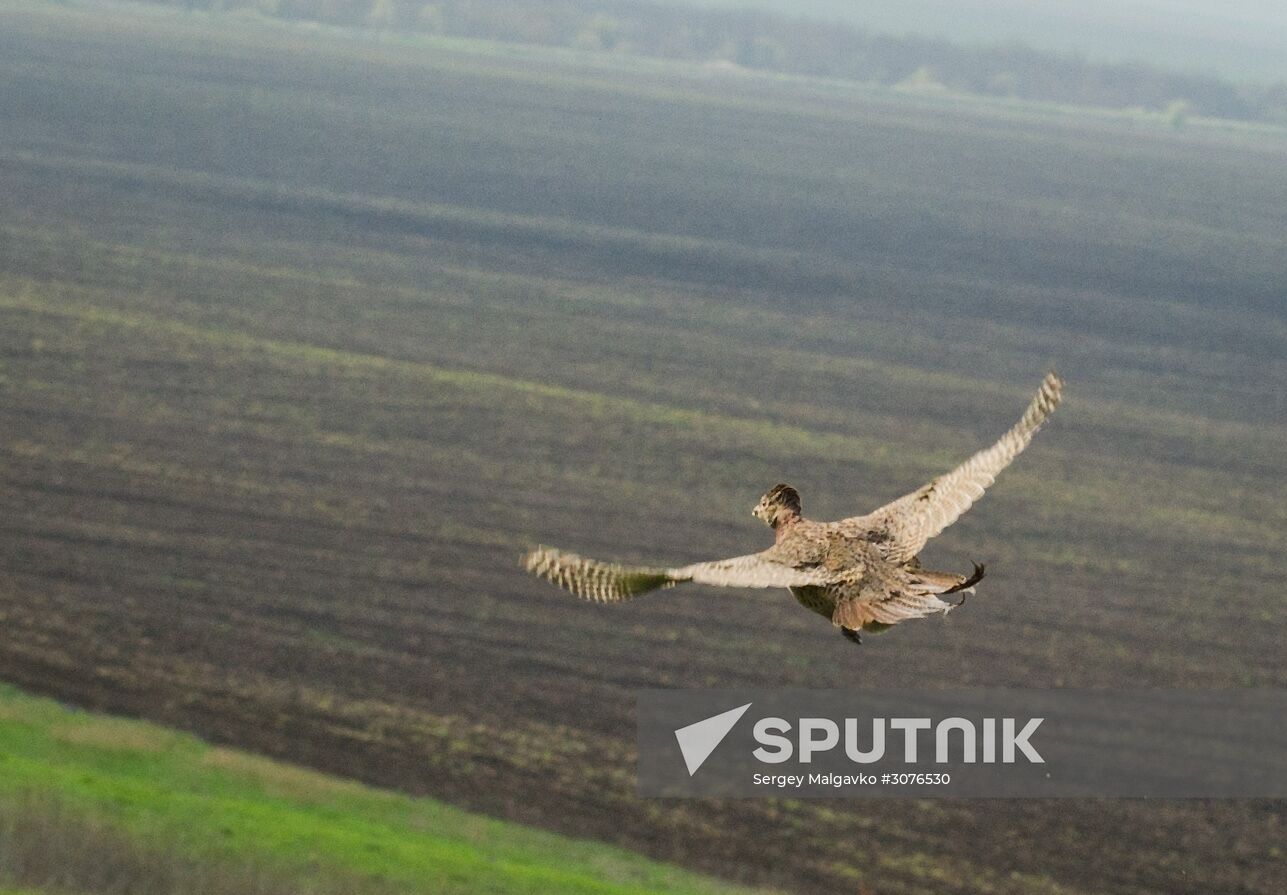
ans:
(766, 41)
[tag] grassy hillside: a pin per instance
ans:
(100, 804)
(304, 336)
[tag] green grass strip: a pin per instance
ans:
(175, 794)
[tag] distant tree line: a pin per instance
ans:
(762, 40)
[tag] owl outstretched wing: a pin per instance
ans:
(606, 582)
(903, 527)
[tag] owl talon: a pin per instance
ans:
(967, 585)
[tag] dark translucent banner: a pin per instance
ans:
(963, 743)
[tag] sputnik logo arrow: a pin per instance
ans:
(698, 740)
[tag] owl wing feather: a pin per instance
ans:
(904, 526)
(754, 570)
(606, 582)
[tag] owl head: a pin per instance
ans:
(782, 502)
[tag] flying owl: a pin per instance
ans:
(862, 573)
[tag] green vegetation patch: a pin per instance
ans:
(138, 789)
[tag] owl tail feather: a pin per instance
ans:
(591, 579)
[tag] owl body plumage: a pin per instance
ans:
(862, 572)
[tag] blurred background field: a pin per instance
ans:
(306, 333)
